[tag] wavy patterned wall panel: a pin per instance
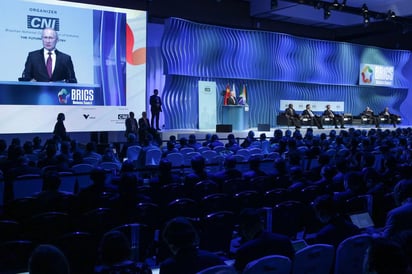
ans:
(201, 50)
(273, 66)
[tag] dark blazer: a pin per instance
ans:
(399, 219)
(155, 103)
(35, 68)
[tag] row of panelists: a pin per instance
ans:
(307, 115)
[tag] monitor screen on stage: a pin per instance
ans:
(97, 77)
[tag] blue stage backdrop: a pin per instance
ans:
(273, 67)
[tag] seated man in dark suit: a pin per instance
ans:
(392, 118)
(292, 116)
(399, 219)
(182, 240)
(256, 243)
(368, 113)
(308, 113)
(336, 118)
(49, 64)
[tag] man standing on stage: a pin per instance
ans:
(155, 108)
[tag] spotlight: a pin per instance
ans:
(335, 4)
(326, 13)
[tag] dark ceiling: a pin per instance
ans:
(389, 22)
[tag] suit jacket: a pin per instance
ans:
(305, 113)
(35, 68)
(155, 103)
(291, 113)
(399, 219)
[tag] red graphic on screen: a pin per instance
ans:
(133, 57)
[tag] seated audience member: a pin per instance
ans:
(256, 242)
(48, 259)
(50, 198)
(91, 151)
(400, 218)
(131, 141)
(115, 255)
(390, 117)
(336, 227)
(308, 113)
(90, 197)
(368, 113)
(170, 148)
(249, 140)
(182, 240)
(193, 143)
(230, 171)
(385, 256)
(232, 145)
(183, 142)
(354, 185)
(292, 116)
(336, 118)
(254, 169)
(215, 142)
(207, 141)
(198, 173)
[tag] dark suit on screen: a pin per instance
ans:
(35, 68)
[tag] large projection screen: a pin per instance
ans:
(108, 48)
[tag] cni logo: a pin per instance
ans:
(86, 116)
(122, 116)
(39, 22)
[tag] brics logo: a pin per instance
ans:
(39, 22)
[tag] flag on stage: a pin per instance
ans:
(234, 90)
(242, 96)
(227, 94)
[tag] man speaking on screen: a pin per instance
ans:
(49, 64)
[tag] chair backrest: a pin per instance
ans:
(317, 258)
(176, 158)
(94, 161)
(110, 166)
(219, 269)
(219, 149)
(244, 152)
(153, 157)
(350, 254)
(133, 153)
(209, 155)
(186, 150)
(273, 264)
(27, 186)
(82, 172)
(216, 230)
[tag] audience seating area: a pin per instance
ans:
(137, 196)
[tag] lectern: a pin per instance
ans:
(237, 116)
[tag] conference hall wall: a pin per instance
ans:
(273, 67)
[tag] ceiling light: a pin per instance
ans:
(335, 4)
(365, 9)
(366, 19)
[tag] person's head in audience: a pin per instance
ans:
(37, 142)
(231, 138)
(51, 181)
(198, 163)
(262, 137)
(353, 181)
(183, 142)
(131, 138)
(48, 259)
(385, 256)
(254, 162)
(114, 248)
(230, 162)
(250, 224)
(180, 234)
(98, 176)
(402, 191)
(325, 208)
